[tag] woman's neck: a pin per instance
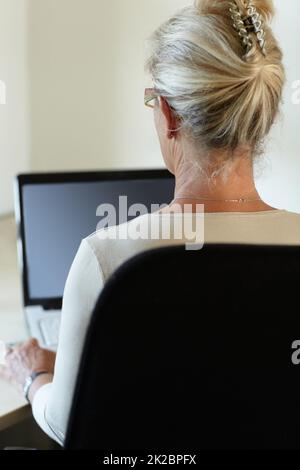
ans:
(220, 190)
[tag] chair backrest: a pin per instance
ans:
(193, 350)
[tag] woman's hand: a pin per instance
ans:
(25, 359)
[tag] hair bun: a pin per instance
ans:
(265, 8)
(249, 18)
(213, 7)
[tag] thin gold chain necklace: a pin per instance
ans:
(239, 201)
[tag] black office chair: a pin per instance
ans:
(193, 350)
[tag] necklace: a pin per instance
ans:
(239, 201)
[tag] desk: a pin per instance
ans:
(13, 407)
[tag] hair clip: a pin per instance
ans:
(252, 23)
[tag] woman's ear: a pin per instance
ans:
(172, 123)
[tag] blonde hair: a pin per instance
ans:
(225, 98)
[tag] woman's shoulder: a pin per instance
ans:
(109, 235)
(262, 217)
(289, 217)
(114, 245)
(279, 227)
(294, 215)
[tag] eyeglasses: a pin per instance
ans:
(149, 97)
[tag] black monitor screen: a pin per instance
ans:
(57, 216)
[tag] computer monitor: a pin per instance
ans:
(54, 212)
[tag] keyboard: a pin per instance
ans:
(49, 326)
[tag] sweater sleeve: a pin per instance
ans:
(52, 402)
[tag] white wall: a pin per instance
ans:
(280, 183)
(14, 114)
(87, 82)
